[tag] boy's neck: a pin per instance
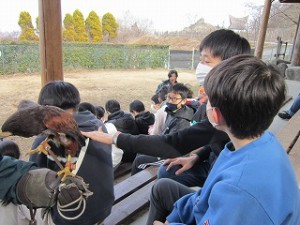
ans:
(239, 143)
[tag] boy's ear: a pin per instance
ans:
(183, 102)
(217, 116)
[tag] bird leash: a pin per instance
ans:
(73, 192)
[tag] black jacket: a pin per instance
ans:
(177, 144)
(124, 122)
(96, 169)
(177, 120)
(143, 121)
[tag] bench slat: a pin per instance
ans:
(131, 184)
(294, 156)
(289, 133)
(122, 169)
(134, 203)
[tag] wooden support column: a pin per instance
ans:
(263, 29)
(50, 27)
(296, 47)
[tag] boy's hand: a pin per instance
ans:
(185, 162)
(99, 136)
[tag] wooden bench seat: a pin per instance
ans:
(289, 134)
(289, 138)
(123, 169)
(131, 196)
(294, 156)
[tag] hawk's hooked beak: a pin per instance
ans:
(5, 134)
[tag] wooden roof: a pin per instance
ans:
(289, 1)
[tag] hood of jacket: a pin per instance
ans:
(185, 112)
(145, 117)
(87, 121)
(124, 122)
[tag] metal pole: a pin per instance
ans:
(2, 55)
(169, 58)
(193, 56)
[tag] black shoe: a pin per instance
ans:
(284, 115)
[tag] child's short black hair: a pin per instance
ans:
(83, 106)
(247, 92)
(100, 111)
(172, 72)
(9, 148)
(180, 88)
(162, 93)
(60, 94)
(137, 106)
(112, 106)
(225, 44)
(154, 98)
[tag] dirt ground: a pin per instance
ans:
(95, 86)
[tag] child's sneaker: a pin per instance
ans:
(284, 115)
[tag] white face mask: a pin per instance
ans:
(201, 72)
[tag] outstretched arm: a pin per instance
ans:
(166, 146)
(100, 136)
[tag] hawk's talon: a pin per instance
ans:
(65, 172)
(44, 147)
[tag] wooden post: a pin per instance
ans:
(296, 47)
(50, 40)
(263, 29)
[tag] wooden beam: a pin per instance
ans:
(289, 1)
(50, 40)
(263, 29)
(296, 47)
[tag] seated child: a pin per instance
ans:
(244, 185)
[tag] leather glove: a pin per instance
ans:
(72, 189)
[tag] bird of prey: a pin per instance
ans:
(63, 137)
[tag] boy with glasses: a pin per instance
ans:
(178, 117)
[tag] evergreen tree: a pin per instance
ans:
(93, 27)
(109, 26)
(27, 30)
(68, 30)
(80, 32)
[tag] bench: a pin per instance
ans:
(122, 169)
(289, 138)
(131, 196)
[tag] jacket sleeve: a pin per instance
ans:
(183, 211)
(228, 204)
(11, 170)
(168, 146)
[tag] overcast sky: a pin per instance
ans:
(166, 15)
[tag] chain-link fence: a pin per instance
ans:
(24, 58)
